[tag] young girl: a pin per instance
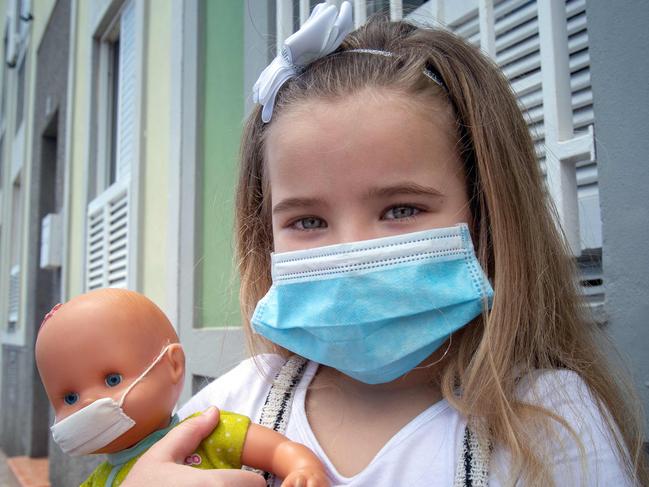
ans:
(358, 173)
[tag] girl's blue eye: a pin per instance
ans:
(309, 223)
(113, 380)
(399, 212)
(70, 398)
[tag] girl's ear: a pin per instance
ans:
(176, 357)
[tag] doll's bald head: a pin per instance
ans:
(131, 317)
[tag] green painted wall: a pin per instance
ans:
(222, 120)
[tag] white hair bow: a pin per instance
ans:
(320, 35)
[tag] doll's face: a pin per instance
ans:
(91, 349)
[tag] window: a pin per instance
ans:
(2, 161)
(14, 255)
(3, 105)
(18, 41)
(20, 95)
(107, 91)
(2, 170)
(3, 80)
(113, 96)
(110, 227)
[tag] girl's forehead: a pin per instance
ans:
(368, 106)
(386, 114)
(385, 132)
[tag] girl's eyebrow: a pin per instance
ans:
(293, 203)
(407, 188)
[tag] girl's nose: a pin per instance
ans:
(354, 230)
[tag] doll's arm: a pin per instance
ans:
(270, 451)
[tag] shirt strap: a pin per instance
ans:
(277, 408)
(473, 460)
(472, 467)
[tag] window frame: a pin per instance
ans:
(107, 78)
(15, 136)
(105, 17)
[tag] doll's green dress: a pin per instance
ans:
(220, 449)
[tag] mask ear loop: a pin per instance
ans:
(450, 342)
(143, 374)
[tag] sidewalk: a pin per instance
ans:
(7, 478)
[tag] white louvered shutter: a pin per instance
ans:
(108, 242)
(14, 295)
(108, 217)
(590, 222)
(11, 31)
(518, 54)
(25, 12)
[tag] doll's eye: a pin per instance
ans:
(113, 380)
(70, 398)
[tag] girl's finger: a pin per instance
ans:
(184, 438)
(236, 478)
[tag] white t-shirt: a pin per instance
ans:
(425, 451)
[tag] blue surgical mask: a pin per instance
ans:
(374, 309)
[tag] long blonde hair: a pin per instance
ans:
(538, 320)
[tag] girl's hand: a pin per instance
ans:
(162, 464)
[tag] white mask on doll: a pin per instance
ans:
(97, 424)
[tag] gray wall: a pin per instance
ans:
(15, 410)
(618, 45)
(25, 414)
(24, 408)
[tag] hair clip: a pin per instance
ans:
(320, 35)
(377, 52)
(49, 315)
(428, 71)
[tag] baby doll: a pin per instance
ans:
(113, 370)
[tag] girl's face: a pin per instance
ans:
(373, 164)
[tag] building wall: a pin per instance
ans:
(23, 408)
(24, 432)
(619, 41)
(210, 92)
(80, 58)
(156, 133)
(155, 139)
(16, 393)
(3, 9)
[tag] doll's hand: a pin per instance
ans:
(162, 464)
(306, 477)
